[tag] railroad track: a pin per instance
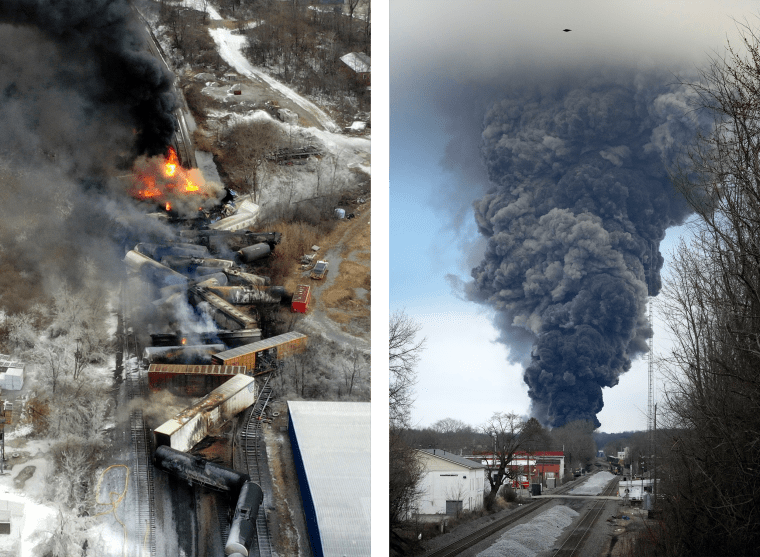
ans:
(476, 537)
(573, 544)
(142, 467)
(254, 454)
(143, 478)
(182, 137)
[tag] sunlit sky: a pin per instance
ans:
(446, 61)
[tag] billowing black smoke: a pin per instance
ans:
(105, 37)
(580, 202)
(80, 97)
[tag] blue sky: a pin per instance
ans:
(443, 57)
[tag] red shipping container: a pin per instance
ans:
(301, 298)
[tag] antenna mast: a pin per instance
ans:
(650, 358)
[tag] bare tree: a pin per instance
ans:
(504, 430)
(712, 306)
(405, 468)
(403, 355)
(576, 439)
(352, 369)
(449, 425)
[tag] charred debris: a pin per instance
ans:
(202, 289)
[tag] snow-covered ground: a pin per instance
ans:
(230, 44)
(594, 485)
(531, 538)
(31, 520)
(345, 156)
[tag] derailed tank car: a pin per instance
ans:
(199, 471)
(243, 527)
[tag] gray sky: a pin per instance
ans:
(449, 62)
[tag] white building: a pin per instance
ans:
(11, 373)
(451, 483)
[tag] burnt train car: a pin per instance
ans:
(243, 527)
(182, 354)
(264, 352)
(200, 471)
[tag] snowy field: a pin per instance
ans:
(594, 485)
(531, 538)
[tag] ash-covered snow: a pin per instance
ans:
(531, 538)
(594, 485)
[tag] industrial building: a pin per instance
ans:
(544, 467)
(451, 484)
(191, 425)
(331, 450)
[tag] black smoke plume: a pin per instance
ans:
(80, 97)
(580, 201)
(106, 37)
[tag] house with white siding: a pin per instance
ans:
(451, 484)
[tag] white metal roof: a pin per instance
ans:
(259, 345)
(357, 61)
(334, 442)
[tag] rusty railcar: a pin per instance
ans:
(192, 380)
(258, 354)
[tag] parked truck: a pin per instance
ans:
(319, 271)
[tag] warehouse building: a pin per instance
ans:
(331, 450)
(451, 484)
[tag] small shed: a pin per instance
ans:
(359, 64)
(11, 373)
(450, 484)
(301, 299)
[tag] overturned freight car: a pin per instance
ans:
(190, 426)
(263, 353)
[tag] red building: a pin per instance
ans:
(544, 467)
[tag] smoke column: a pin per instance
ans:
(104, 36)
(580, 198)
(80, 97)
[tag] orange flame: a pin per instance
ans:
(168, 206)
(169, 178)
(184, 340)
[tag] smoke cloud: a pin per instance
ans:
(80, 98)
(580, 201)
(104, 38)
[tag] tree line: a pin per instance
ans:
(708, 458)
